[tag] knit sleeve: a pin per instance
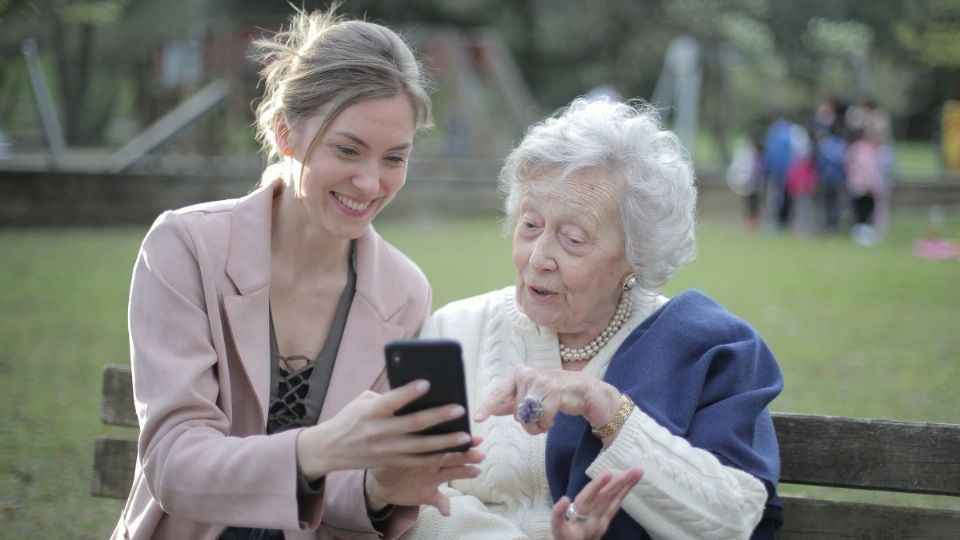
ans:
(469, 519)
(685, 491)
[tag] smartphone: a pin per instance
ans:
(440, 362)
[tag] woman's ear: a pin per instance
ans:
(281, 132)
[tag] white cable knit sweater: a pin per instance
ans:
(685, 492)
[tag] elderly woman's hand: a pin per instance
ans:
(589, 515)
(570, 392)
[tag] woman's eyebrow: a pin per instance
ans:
(361, 142)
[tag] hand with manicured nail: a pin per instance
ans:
(403, 465)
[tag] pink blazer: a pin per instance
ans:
(199, 339)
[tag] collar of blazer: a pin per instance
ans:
(379, 296)
(250, 241)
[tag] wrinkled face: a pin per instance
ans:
(356, 166)
(568, 252)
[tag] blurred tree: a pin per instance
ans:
(716, 25)
(929, 31)
(759, 55)
(66, 30)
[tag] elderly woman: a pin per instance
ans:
(601, 203)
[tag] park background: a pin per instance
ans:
(869, 332)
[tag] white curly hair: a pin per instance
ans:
(622, 140)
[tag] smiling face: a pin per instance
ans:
(568, 253)
(356, 166)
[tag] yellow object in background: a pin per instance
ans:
(950, 139)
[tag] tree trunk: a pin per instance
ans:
(716, 110)
(60, 42)
(73, 72)
(80, 123)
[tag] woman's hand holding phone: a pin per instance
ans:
(368, 434)
(440, 363)
(410, 439)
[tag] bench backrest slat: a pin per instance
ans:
(863, 453)
(116, 407)
(811, 518)
(114, 461)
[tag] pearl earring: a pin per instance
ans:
(629, 282)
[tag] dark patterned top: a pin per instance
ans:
(296, 395)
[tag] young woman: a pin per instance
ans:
(257, 325)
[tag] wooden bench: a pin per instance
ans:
(865, 454)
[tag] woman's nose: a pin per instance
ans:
(541, 258)
(367, 178)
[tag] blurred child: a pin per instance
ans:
(864, 181)
(777, 156)
(831, 176)
(746, 177)
(801, 180)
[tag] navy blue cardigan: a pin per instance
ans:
(706, 376)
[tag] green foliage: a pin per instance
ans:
(935, 44)
(96, 12)
(706, 19)
(760, 55)
(930, 32)
(838, 37)
(747, 34)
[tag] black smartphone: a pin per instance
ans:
(440, 362)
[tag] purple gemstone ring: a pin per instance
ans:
(529, 410)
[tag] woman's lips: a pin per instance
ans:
(540, 292)
(351, 206)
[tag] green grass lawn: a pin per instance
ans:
(857, 331)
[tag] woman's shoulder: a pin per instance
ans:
(188, 221)
(695, 313)
(208, 231)
(692, 331)
(214, 217)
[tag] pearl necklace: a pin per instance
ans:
(624, 308)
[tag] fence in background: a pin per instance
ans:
(39, 198)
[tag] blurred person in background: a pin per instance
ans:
(801, 180)
(856, 117)
(879, 132)
(587, 378)
(257, 325)
(831, 176)
(864, 181)
(825, 116)
(777, 148)
(746, 176)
